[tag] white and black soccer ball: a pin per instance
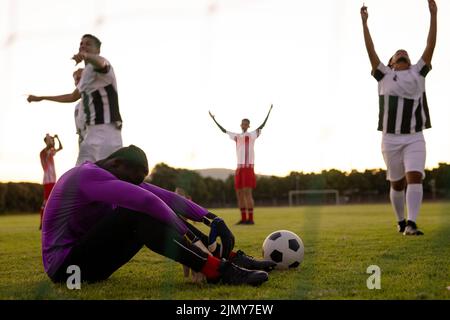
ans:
(285, 248)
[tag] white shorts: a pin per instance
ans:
(99, 142)
(403, 153)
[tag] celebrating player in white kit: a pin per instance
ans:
(403, 115)
(100, 106)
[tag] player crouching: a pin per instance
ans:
(99, 215)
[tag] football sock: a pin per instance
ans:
(414, 195)
(211, 268)
(398, 203)
(250, 214)
(243, 214)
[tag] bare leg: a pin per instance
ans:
(414, 177)
(399, 185)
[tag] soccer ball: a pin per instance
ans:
(285, 248)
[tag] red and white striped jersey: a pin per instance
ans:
(48, 164)
(245, 143)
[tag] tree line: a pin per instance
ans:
(353, 187)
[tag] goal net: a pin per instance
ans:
(305, 197)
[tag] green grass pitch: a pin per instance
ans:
(340, 243)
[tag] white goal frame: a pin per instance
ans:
(312, 191)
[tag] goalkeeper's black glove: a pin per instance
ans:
(220, 230)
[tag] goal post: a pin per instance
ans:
(293, 193)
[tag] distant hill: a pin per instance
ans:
(215, 173)
(219, 173)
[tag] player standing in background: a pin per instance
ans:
(48, 165)
(403, 115)
(100, 105)
(245, 180)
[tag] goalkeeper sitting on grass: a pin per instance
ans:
(101, 214)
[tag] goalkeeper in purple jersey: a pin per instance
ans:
(101, 214)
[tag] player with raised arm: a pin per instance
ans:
(48, 165)
(98, 89)
(403, 115)
(245, 180)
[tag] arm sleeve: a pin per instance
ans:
(99, 185)
(177, 203)
(422, 68)
(380, 72)
(232, 135)
(255, 134)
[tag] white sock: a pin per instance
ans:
(398, 203)
(414, 195)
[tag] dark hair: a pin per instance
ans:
(245, 119)
(97, 41)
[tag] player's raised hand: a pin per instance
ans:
(214, 119)
(364, 13)
(32, 98)
(432, 6)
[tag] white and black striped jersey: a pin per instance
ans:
(403, 106)
(98, 90)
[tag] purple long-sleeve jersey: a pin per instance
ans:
(86, 194)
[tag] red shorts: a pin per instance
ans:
(47, 189)
(245, 178)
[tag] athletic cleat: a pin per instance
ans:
(249, 222)
(248, 262)
(234, 275)
(241, 222)
(411, 229)
(401, 225)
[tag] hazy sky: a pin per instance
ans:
(177, 59)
